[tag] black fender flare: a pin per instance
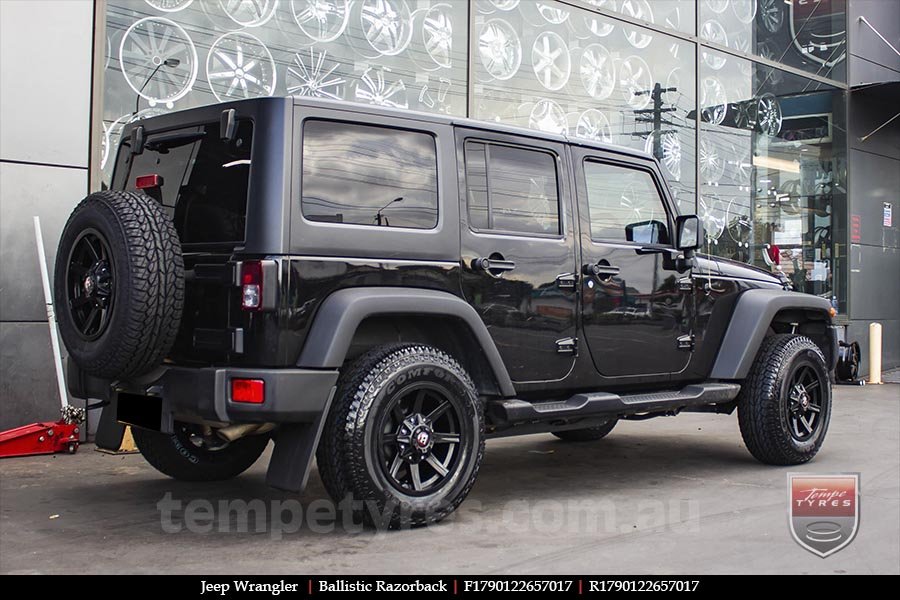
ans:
(341, 313)
(753, 313)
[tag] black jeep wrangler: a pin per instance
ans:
(384, 290)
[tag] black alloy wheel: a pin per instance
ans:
(418, 449)
(90, 285)
(805, 405)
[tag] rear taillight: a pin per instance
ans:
(248, 391)
(251, 285)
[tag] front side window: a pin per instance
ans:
(621, 202)
(364, 175)
(512, 189)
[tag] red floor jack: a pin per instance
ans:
(46, 438)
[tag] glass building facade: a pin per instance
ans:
(743, 101)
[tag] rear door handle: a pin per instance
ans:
(493, 266)
(602, 270)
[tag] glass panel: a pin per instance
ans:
(773, 167)
(520, 192)
(618, 197)
(573, 71)
(368, 175)
(175, 54)
(674, 14)
(808, 34)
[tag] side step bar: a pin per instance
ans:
(513, 411)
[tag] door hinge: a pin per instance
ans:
(685, 342)
(686, 284)
(567, 281)
(567, 346)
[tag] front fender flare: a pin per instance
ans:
(753, 313)
(341, 313)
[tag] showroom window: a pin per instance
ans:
(363, 175)
(759, 152)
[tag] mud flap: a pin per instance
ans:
(295, 448)
(109, 431)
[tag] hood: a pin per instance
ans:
(731, 268)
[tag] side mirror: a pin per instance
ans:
(647, 232)
(688, 232)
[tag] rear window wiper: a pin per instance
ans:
(164, 141)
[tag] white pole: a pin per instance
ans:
(875, 353)
(51, 316)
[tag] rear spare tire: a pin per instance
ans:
(119, 284)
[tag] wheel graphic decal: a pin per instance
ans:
(636, 82)
(744, 10)
(550, 60)
(597, 25)
(321, 20)
(499, 49)
(249, 13)
(640, 10)
(169, 5)
(553, 14)
(593, 125)
(717, 6)
(505, 4)
(598, 71)
(712, 163)
(714, 32)
(240, 66)
(713, 101)
(145, 47)
(712, 216)
(741, 165)
(313, 74)
(771, 13)
(437, 34)
(739, 226)
(768, 114)
(374, 87)
(548, 116)
(670, 146)
(386, 25)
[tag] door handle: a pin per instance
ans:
(602, 270)
(495, 267)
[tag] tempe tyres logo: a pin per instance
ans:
(823, 510)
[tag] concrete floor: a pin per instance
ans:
(669, 496)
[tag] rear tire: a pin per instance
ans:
(188, 456)
(588, 434)
(785, 403)
(119, 284)
(404, 437)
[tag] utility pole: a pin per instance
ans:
(654, 116)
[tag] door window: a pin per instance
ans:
(623, 204)
(512, 189)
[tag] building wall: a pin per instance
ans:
(45, 92)
(874, 165)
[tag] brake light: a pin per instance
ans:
(144, 182)
(248, 391)
(251, 285)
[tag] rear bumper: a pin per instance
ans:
(184, 393)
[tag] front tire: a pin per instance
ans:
(404, 438)
(190, 454)
(785, 403)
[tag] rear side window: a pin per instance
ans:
(364, 175)
(205, 180)
(511, 189)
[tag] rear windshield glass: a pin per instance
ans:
(205, 180)
(365, 175)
